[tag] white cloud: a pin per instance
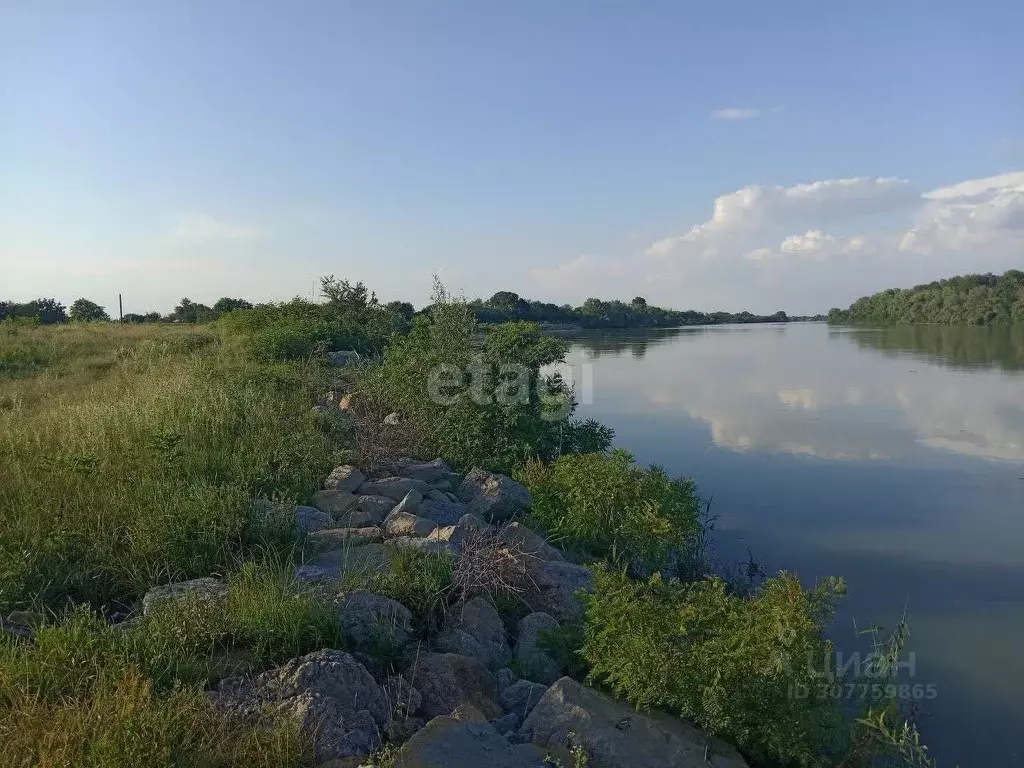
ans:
(736, 113)
(203, 228)
(808, 247)
(759, 207)
(742, 113)
(970, 214)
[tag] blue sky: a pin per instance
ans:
(558, 149)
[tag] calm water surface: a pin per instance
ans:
(893, 458)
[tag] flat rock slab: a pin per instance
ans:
(614, 735)
(338, 538)
(450, 743)
(205, 588)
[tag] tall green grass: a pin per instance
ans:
(131, 457)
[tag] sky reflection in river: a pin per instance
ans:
(894, 458)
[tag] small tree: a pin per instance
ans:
(226, 304)
(85, 311)
(47, 311)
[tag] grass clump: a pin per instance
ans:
(116, 718)
(607, 506)
(274, 619)
(422, 582)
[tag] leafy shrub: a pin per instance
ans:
(609, 507)
(735, 666)
(474, 402)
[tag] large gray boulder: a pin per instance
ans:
(308, 519)
(521, 697)
(337, 703)
(441, 510)
(535, 663)
(447, 681)
(344, 478)
(493, 496)
(401, 523)
(475, 629)
(339, 538)
(335, 503)
(375, 507)
(205, 588)
(557, 584)
(370, 620)
(521, 539)
(435, 472)
(393, 487)
(614, 735)
(449, 742)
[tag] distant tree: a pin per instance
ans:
(6, 309)
(226, 304)
(347, 297)
(189, 311)
(506, 301)
(84, 311)
(639, 301)
(402, 308)
(47, 311)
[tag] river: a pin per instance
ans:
(891, 457)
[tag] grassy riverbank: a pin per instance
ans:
(130, 457)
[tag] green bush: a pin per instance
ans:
(737, 667)
(478, 402)
(295, 330)
(606, 505)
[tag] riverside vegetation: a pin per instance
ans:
(962, 300)
(183, 587)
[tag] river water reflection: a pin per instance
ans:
(891, 457)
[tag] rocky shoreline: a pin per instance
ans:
(479, 690)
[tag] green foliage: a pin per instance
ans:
(189, 311)
(506, 306)
(477, 403)
(43, 311)
(734, 666)
(611, 508)
(133, 317)
(85, 311)
(963, 300)
(227, 304)
(301, 329)
(142, 468)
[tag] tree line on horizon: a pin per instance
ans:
(503, 306)
(962, 300)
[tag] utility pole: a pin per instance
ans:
(120, 309)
